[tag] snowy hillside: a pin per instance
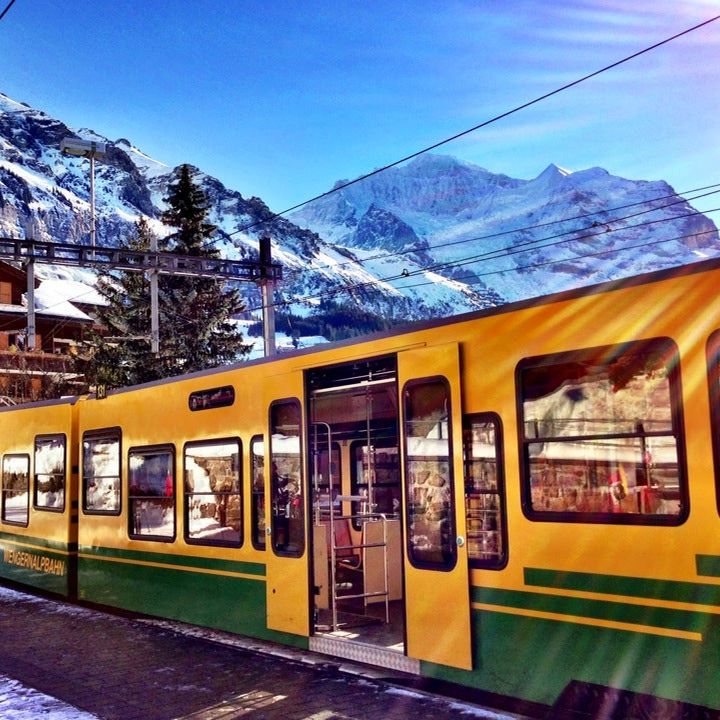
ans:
(45, 195)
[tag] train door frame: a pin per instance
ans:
(287, 574)
(349, 402)
(444, 590)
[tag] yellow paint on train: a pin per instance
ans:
(444, 435)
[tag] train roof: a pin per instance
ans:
(701, 266)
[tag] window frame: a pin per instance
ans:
(449, 564)
(254, 495)
(503, 558)
(186, 506)
(269, 454)
(151, 450)
(356, 487)
(677, 432)
(98, 434)
(43, 508)
(3, 519)
(712, 350)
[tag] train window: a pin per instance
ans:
(213, 498)
(257, 470)
(101, 472)
(600, 435)
(484, 491)
(428, 472)
(286, 480)
(151, 493)
(379, 463)
(713, 358)
(50, 472)
(15, 489)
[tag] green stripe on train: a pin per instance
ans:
(37, 542)
(535, 658)
(708, 565)
(648, 588)
(45, 565)
(184, 561)
(222, 602)
(596, 609)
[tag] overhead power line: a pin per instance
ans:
(473, 129)
(534, 266)
(416, 249)
(7, 7)
(503, 252)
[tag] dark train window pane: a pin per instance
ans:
(213, 498)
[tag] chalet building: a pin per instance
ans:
(51, 367)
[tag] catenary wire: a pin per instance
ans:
(500, 252)
(7, 7)
(559, 260)
(496, 118)
(406, 251)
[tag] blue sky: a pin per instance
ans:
(280, 99)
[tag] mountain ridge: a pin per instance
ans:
(398, 245)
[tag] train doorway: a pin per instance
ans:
(358, 608)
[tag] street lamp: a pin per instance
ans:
(90, 149)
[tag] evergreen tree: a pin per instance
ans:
(195, 313)
(196, 327)
(120, 352)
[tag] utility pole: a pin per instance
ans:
(90, 149)
(265, 272)
(31, 331)
(154, 312)
(267, 288)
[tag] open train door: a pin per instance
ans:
(287, 598)
(437, 593)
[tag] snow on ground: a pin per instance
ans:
(18, 702)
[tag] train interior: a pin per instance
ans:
(355, 487)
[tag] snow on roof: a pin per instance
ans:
(72, 291)
(51, 299)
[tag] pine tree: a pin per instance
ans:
(120, 352)
(195, 313)
(196, 329)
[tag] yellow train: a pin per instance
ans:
(523, 501)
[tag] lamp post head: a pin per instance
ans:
(82, 148)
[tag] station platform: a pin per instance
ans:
(108, 666)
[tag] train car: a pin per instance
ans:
(38, 506)
(522, 501)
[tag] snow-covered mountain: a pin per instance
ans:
(513, 238)
(45, 195)
(426, 239)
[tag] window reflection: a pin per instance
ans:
(15, 489)
(257, 468)
(213, 501)
(431, 533)
(599, 432)
(483, 492)
(101, 473)
(50, 472)
(151, 495)
(288, 527)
